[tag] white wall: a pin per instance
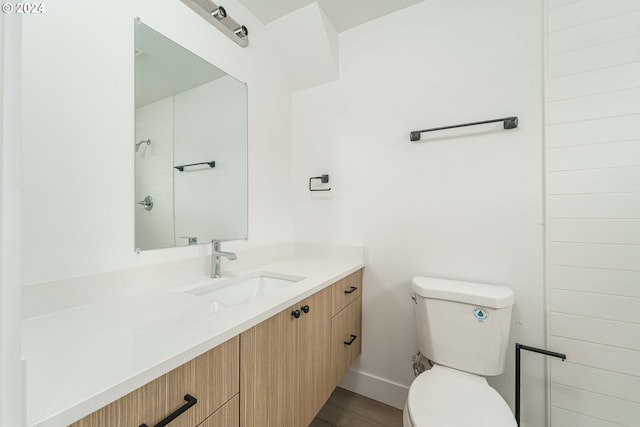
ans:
(593, 194)
(462, 205)
(78, 169)
(154, 175)
(11, 388)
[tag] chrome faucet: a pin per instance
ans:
(216, 253)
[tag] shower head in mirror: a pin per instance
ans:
(138, 144)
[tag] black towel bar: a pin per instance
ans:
(181, 167)
(508, 123)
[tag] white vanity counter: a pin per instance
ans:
(82, 358)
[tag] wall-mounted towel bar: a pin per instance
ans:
(181, 167)
(508, 123)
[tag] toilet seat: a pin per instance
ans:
(446, 397)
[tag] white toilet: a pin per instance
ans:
(463, 328)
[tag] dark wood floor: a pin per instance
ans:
(347, 409)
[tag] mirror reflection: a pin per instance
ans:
(190, 147)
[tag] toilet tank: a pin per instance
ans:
(463, 325)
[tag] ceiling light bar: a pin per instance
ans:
(218, 17)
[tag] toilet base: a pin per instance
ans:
(406, 420)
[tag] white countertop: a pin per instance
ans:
(82, 358)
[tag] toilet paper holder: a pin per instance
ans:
(535, 350)
(323, 179)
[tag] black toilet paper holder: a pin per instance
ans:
(323, 179)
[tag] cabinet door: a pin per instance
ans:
(227, 416)
(314, 334)
(211, 378)
(345, 291)
(346, 341)
(269, 373)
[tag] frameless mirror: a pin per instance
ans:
(190, 147)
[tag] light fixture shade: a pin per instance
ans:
(241, 31)
(219, 13)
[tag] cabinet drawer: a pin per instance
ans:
(343, 292)
(346, 339)
(211, 378)
(227, 416)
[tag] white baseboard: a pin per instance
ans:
(376, 388)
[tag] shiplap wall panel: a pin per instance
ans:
(615, 27)
(563, 418)
(607, 155)
(597, 280)
(603, 407)
(626, 76)
(586, 11)
(621, 257)
(610, 54)
(600, 331)
(626, 232)
(612, 180)
(599, 356)
(622, 206)
(610, 307)
(596, 380)
(608, 129)
(610, 104)
(592, 99)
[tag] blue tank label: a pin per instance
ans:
(481, 314)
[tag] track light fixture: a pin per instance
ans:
(218, 17)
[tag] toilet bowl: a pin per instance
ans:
(446, 397)
(463, 328)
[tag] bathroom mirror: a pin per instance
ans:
(190, 147)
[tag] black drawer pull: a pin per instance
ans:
(353, 338)
(352, 290)
(305, 308)
(296, 313)
(181, 410)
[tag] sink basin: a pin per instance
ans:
(243, 290)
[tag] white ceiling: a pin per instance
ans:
(344, 14)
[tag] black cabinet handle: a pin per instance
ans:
(305, 308)
(181, 410)
(353, 338)
(352, 290)
(295, 313)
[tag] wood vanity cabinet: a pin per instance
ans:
(211, 378)
(346, 324)
(284, 365)
(279, 373)
(345, 291)
(287, 363)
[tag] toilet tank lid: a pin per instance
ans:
(492, 296)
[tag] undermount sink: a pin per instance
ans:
(240, 291)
